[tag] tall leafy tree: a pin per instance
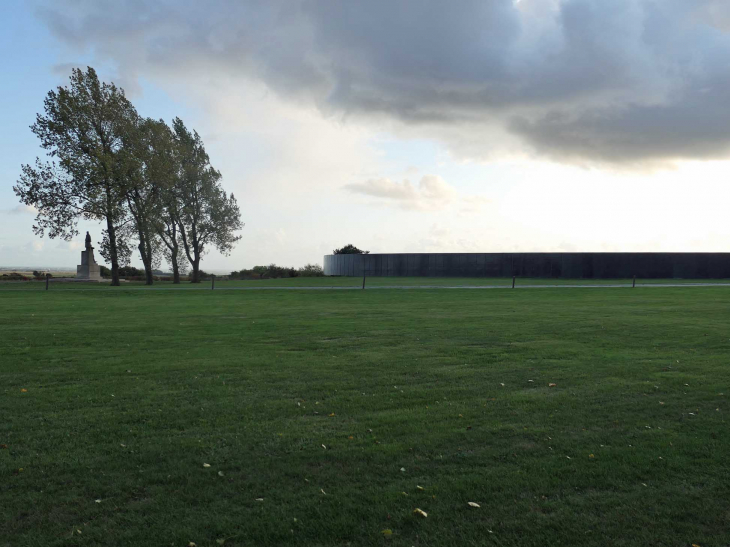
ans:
(206, 216)
(169, 198)
(168, 230)
(151, 146)
(82, 129)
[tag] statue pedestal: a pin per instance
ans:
(88, 269)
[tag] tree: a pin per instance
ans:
(170, 197)
(151, 146)
(82, 127)
(349, 249)
(205, 216)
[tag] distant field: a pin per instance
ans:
(327, 417)
(369, 282)
(29, 273)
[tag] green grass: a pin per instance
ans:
(357, 282)
(130, 392)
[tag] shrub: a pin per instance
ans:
(129, 271)
(311, 270)
(14, 276)
(272, 271)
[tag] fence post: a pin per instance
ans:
(513, 281)
(48, 277)
(633, 285)
(363, 280)
(212, 282)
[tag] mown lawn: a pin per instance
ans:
(370, 282)
(327, 417)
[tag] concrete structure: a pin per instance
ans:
(88, 270)
(546, 265)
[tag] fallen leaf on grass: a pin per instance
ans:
(24, 390)
(259, 499)
(420, 512)
(97, 501)
(220, 473)
(419, 487)
(402, 469)
(323, 446)
(350, 437)
(192, 544)
(323, 492)
(387, 532)
(472, 504)
(220, 541)
(552, 385)
(332, 415)
(591, 456)
(3, 447)
(204, 465)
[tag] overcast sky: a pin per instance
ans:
(406, 126)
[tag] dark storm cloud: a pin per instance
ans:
(625, 81)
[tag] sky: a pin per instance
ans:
(404, 126)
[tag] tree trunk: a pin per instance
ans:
(146, 262)
(148, 266)
(175, 267)
(112, 233)
(145, 253)
(196, 270)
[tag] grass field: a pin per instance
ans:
(370, 282)
(327, 417)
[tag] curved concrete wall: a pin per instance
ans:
(565, 265)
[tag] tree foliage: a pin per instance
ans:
(349, 249)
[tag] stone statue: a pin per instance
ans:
(88, 270)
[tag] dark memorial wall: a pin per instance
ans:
(565, 265)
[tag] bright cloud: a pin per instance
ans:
(432, 193)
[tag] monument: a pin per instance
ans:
(88, 269)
